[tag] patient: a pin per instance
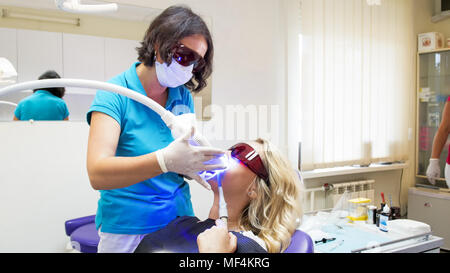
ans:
(264, 209)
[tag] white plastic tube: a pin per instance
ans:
(166, 116)
(223, 210)
(8, 103)
(74, 6)
(178, 125)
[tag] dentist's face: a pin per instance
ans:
(195, 42)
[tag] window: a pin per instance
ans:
(358, 82)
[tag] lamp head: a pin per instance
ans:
(8, 73)
(241, 153)
(227, 160)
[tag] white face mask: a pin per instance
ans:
(173, 75)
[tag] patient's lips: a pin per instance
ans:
(226, 159)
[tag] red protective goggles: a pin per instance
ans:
(250, 158)
(187, 57)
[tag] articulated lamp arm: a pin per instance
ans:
(177, 124)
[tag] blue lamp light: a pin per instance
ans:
(229, 161)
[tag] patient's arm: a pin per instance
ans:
(216, 240)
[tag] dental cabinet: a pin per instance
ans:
(428, 203)
(432, 207)
(433, 89)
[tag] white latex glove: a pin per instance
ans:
(433, 170)
(183, 123)
(183, 158)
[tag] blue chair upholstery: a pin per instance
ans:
(84, 237)
(300, 243)
(83, 234)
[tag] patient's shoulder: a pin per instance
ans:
(248, 244)
(190, 223)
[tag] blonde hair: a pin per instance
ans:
(275, 213)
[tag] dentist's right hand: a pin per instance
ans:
(183, 158)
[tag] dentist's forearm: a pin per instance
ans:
(120, 172)
(438, 143)
(444, 130)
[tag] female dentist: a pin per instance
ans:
(132, 157)
(434, 170)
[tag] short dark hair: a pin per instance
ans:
(172, 25)
(56, 91)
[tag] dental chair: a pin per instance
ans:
(83, 234)
(84, 237)
(300, 243)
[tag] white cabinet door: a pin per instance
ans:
(38, 51)
(120, 54)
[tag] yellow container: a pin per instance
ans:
(357, 210)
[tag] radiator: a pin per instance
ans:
(332, 193)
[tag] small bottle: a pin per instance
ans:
(378, 213)
(384, 217)
(372, 215)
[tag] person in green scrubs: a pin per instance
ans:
(43, 104)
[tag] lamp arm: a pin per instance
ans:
(165, 115)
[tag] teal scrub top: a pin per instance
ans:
(151, 204)
(42, 105)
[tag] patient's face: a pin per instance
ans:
(235, 182)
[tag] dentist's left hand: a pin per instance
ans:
(183, 158)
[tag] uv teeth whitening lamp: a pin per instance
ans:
(179, 125)
(230, 162)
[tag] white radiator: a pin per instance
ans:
(332, 193)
